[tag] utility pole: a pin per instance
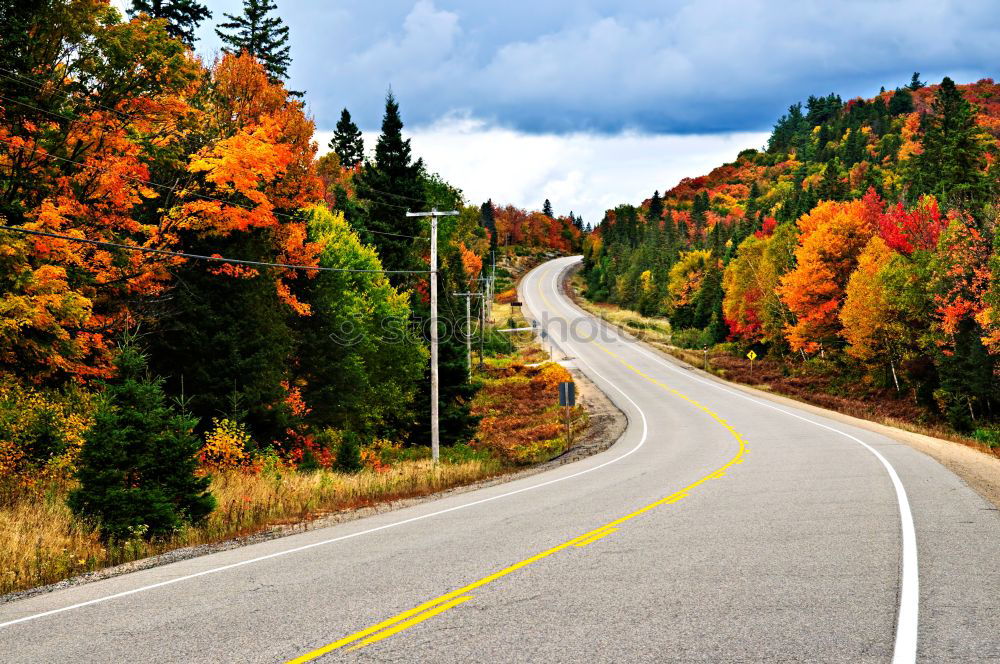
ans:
(468, 329)
(435, 387)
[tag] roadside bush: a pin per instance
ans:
(348, 454)
(226, 446)
(988, 436)
(41, 433)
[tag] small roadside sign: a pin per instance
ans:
(515, 303)
(567, 394)
(752, 355)
(567, 399)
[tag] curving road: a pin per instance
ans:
(721, 527)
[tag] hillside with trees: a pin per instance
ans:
(856, 252)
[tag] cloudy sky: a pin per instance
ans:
(595, 102)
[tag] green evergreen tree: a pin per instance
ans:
(699, 208)
(347, 141)
(547, 209)
(137, 467)
(182, 16)
(234, 336)
(348, 458)
(968, 385)
(655, 207)
(901, 102)
(915, 82)
(393, 184)
(488, 221)
(953, 161)
(263, 36)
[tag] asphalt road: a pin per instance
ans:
(720, 528)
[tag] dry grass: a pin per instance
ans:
(41, 542)
(647, 328)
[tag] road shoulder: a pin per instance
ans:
(981, 472)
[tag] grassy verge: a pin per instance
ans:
(813, 383)
(41, 542)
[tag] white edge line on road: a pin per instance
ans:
(905, 649)
(215, 570)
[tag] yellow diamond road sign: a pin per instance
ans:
(752, 355)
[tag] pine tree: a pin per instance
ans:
(347, 141)
(655, 207)
(262, 36)
(952, 164)
(915, 82)
(235, 336)
(488, 220)
(901, 102)
(392, 184)
(137, 467)
(547, 209)
(182, 16)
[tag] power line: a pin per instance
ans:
(21, 78)
(179, 254)
(422, 201)
(412, 237)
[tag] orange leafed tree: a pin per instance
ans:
(831, 237)
(868, 315)
(79, 167)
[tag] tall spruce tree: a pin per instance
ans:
(489, 222)
(182, 16)
(137, 467)
(392, 185)
(547, 209)
(347, 141)
(655, 207)
(263, 36)
(901, 102)
(953, 161)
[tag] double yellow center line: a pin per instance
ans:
(429, 609)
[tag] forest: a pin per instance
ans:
(207, 320)
(856, 251)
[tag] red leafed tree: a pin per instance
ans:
(908, 230)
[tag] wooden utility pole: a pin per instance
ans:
(468, 329)
(435, 385)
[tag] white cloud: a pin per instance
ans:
(586, 173)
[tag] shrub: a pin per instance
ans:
(348, 454)
(988, 436)
(225, 446)
(41, 433)
(137, 469)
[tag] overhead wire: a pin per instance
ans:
(180, 254)
(39, 85)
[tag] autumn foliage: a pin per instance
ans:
(860, 238)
